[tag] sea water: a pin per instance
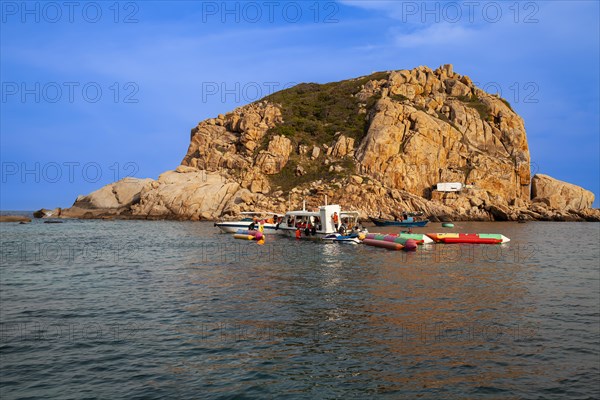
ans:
(161, 309)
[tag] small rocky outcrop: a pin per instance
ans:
(116, 195)
(14, 218)
(559, 195)
(185, 193)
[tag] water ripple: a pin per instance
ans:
(140, 309)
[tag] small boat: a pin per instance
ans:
(269, 223)
(408, 222)
(474, 238)
(316, 224)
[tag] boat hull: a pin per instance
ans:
(234, 226)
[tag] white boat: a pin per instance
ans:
(249, 217)
(317, 224)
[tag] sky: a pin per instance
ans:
(96, 91)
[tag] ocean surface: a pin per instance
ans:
(161, 309)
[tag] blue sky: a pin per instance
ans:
(95, 91)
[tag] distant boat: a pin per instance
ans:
(407, 223)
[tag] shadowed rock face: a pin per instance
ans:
(378, 144)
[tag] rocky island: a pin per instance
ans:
(377, 144)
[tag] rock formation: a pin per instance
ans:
(378, 143)
(560, 195)
(14, 218)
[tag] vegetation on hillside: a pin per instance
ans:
(476, 103)
(312, 114)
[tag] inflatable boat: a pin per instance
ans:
(384, 244)
(401, 238)
(245, 234)
(392, 242)
(474, 238)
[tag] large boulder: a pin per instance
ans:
(185, 193)
(343, 146)
(560, 195)
(115, 195)
(276, 156)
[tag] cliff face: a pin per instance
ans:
(378, 143)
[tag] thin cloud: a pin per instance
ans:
(435, 35)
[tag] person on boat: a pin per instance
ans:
(404, 215)
(317, 224)
(298, 233)
(252, 226)
(335, 219)
(343, 228)
(261, 228)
